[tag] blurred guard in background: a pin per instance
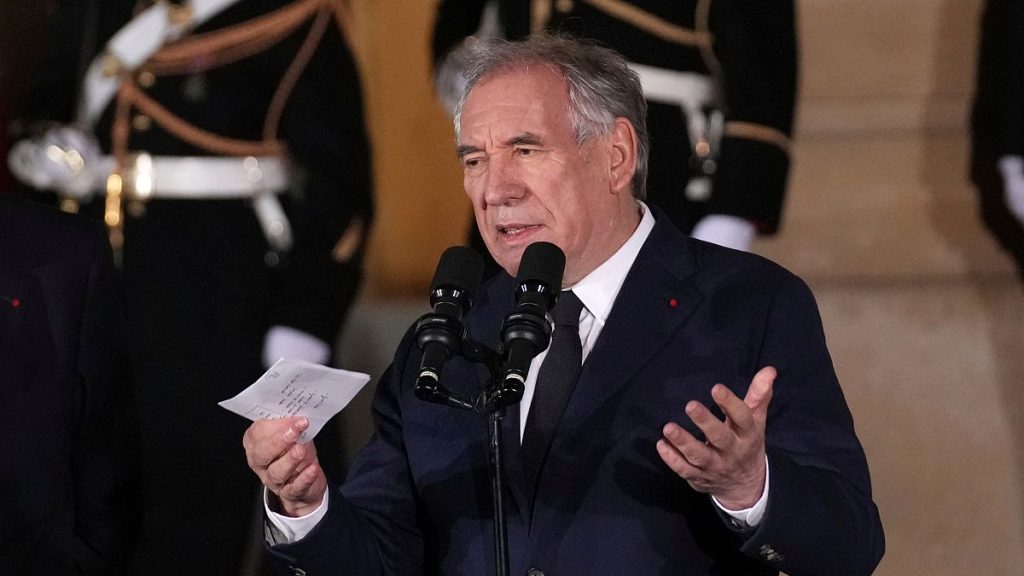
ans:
(223, 143)
(720, 81)
(997, 125)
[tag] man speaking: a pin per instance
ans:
(702, 429)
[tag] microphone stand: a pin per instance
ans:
(526, 331)
(493, 399)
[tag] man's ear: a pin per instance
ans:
(622, 166)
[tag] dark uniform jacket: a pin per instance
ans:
(748, 48)
(202, 284)
(997, 119)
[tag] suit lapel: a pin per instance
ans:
(657, 297)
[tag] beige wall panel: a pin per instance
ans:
(882, 207)
(421, 207)
(874, 65)
(931, 371)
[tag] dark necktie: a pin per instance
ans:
(555, 381)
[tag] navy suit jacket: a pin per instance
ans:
(65, 406)
(689, 315)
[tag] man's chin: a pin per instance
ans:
(508, 258)
(510, 264)
(508, 252)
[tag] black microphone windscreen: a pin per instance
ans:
(542, 262)
(459, 266)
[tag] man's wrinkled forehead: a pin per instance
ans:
(550, 92)
(508, 69)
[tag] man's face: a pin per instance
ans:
(528, 179)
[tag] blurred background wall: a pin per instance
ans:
(924, 315)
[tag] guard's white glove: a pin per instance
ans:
(1012, 169)
(729, 231)
(64, 158)
(284, 342)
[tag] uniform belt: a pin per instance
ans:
(695, 94)
(259, 179)
(689, 90)
(201, 177)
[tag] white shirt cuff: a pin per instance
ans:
(294, 529)
(750, 517)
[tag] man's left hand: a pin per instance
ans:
(731, 464)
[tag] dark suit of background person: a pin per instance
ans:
(689, 314)
(746, 49)
(997, 125)
(6, 180)
(66, 420)
(203, 285)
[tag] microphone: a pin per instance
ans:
(527, 331)
(439, 334)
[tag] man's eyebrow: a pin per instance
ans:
(464, 149)
(526, 138)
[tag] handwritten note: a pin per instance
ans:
(297, 388)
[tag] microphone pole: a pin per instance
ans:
(525, 334)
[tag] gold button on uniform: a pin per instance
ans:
(110, 66)
(141, 122)
(179, 15)
(146, 79)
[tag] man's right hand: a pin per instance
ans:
(288, 469)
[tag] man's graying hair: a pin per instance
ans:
(601, 86)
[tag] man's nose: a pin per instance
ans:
(503, 185)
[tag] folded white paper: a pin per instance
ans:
(298, 388)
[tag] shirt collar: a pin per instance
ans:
(599, 289)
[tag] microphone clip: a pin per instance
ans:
(525, 332)
(448, 331)
(531, 327)
(441, 328)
